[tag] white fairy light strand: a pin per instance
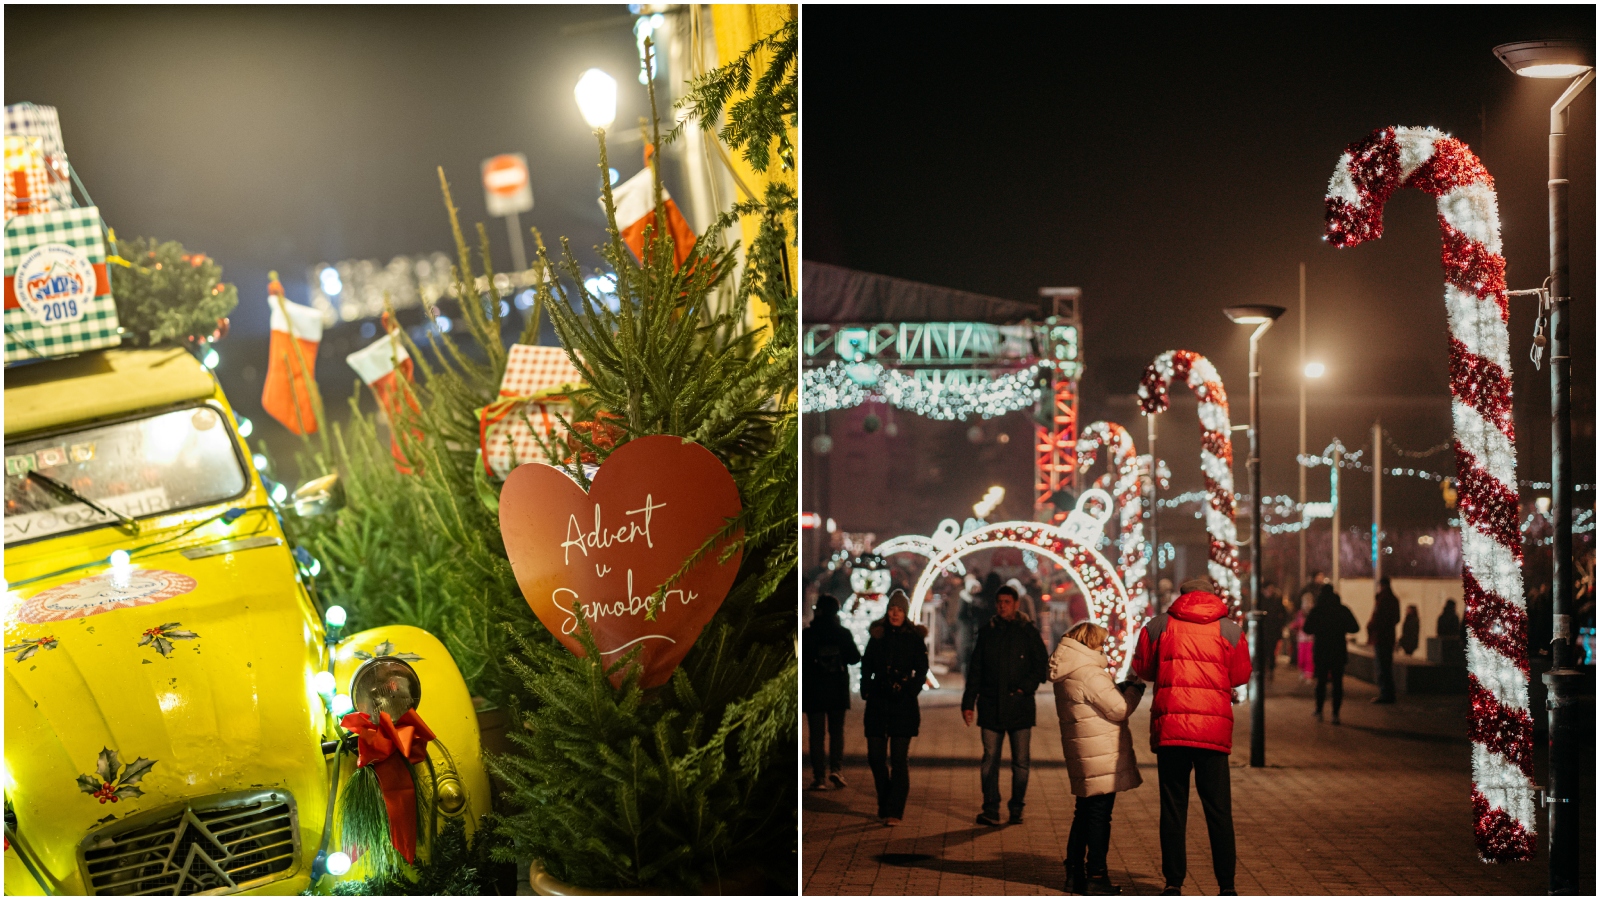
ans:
(841, 385)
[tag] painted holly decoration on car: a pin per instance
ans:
(162, 636)
(385, 649)
(108, 785)
(26, 649)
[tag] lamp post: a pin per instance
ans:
(1262, 318)
(1559, 59)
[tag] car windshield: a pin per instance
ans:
(142, 467)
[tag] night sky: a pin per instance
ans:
(1171, 163)
(281, 137)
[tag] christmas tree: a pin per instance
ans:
(688, 787)
(166, 295)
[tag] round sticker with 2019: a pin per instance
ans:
(55, 283)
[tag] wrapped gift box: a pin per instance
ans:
(27, 181)
(30, 120)
(533, 391)
(70, 308)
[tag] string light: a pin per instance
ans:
(840, 385)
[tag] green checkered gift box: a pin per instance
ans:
(57, 290)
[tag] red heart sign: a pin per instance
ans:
(652, 504)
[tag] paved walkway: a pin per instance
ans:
(1378, 805)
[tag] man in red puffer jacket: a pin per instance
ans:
(1195, 656)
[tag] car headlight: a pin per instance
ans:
(385, 685)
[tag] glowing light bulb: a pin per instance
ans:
(119, 559)
(338, 863)
(245, 427)
(211, 359)
(323, 683)
(596, 93)
(1315, 370)
(342, 704)
(260, 462)
(279, 493)
(335, 616)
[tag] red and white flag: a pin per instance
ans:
(382, 365)
(635, 204)
(291, 375)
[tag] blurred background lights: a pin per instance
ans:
(1315, 370)
(444, 324)
(596, 93)
(260, 462)
(615, 175)
(331, 283)
(246, 427)
(525, 299)
(211, 358)
(279, 493)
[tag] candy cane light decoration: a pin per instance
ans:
(1127, 485)
(1480, 386)
(1216, 454)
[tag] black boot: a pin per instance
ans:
(1077, 881)
(1101, 884)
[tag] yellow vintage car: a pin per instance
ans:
(172, 686)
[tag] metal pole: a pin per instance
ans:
(1377, 505)
(1562, 679)
(1338, 460)
(1259, 661)
(519, 258)
(1301, 467)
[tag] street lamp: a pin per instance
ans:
(1559, 59)
(596, 93)
(1262, 318)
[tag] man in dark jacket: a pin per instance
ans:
(1328, 623)
(1380, 634)
(1008, 664)
(893, 670)
(827, 651)
(1195, 656)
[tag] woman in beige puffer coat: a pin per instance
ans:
(1099, 751)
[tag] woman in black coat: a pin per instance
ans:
(1328, 623)
(892, 673)
(827, 651)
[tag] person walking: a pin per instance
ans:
(1098, 748)
(893, 669)
(1303, 642)
(1328, 623)
(1380, 634)
(1195, 656)
(827, 651)
(1411, 630)
(1271, 626)
(1008, 664)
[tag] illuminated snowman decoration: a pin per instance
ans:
(868, 602)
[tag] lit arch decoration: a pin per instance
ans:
(1475, 302)
(924, 546)
(1216, 456)
(1130, 486)
(1070, 545)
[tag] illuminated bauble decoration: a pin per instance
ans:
(822, 445)
(1070, 546)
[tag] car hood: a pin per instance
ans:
(202, 668)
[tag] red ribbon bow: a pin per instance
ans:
(389, 747)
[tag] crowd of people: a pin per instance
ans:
(1193, 654)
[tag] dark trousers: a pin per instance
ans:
(887, 756)
(1091, 834)
(826, 724)
(1216, 798)
(1383, 654)
(1334, 674)
(990, 769)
